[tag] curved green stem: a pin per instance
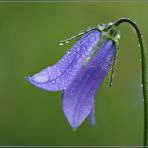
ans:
(144, 72)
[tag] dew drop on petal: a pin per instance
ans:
(89, 48)
(40, 78)
(78, 56)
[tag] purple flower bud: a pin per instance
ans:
(79, 81)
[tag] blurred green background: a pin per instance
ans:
(29, 34)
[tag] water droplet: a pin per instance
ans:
(53, 81)
(139, 45)
(40, 78)
(78, 56)
(118, 36)
(74, 129)
(111, 83)
(110, 23)
(141, 85)
(61, 43)
(112, 75)
(89, 48)
(67, 41)
(101, 26)
(81, 33)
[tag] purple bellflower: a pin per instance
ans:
(79, 74)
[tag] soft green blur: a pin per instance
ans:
(29, 34)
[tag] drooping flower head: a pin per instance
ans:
(80, 73)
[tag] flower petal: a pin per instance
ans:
(78, 98)
(59, 76)
(92, 116)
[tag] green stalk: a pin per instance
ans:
(144, 73)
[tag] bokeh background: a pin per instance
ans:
(29, 33)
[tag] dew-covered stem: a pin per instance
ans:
(144, 72)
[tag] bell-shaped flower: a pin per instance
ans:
(79, 77)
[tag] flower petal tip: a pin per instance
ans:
(93, 123)
(27, 78)
(73, 123)
(92, 116)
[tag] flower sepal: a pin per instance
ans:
(108, 31)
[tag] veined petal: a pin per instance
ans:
(92, 116)
(59, 76)
(78, 98)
